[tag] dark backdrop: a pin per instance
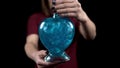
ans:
(94, 54)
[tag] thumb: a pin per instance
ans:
(42, 53)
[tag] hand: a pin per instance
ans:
(70, 8)
(38, 57)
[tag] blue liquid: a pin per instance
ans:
(56, 34)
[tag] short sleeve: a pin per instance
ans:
(32, 27)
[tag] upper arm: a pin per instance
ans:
(32, 24)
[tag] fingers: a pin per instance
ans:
(42, 53)
(39, 59)
(66, 5)
(41, 62)
(68, 14)
(64, 1)
(49, 65)
(67, 8)
(59, 4)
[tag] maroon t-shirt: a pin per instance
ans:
(32, 28)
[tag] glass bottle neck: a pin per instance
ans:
(55, 15)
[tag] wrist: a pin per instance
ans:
(33, 55)
(83, 18)
(81, 14)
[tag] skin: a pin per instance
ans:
(65, 8)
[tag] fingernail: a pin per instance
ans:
(53, 8)
(54, 3)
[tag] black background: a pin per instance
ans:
(100, 52)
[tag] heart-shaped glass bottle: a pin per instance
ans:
(56, 34)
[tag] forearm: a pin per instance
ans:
(87, 29)
(30, 48)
